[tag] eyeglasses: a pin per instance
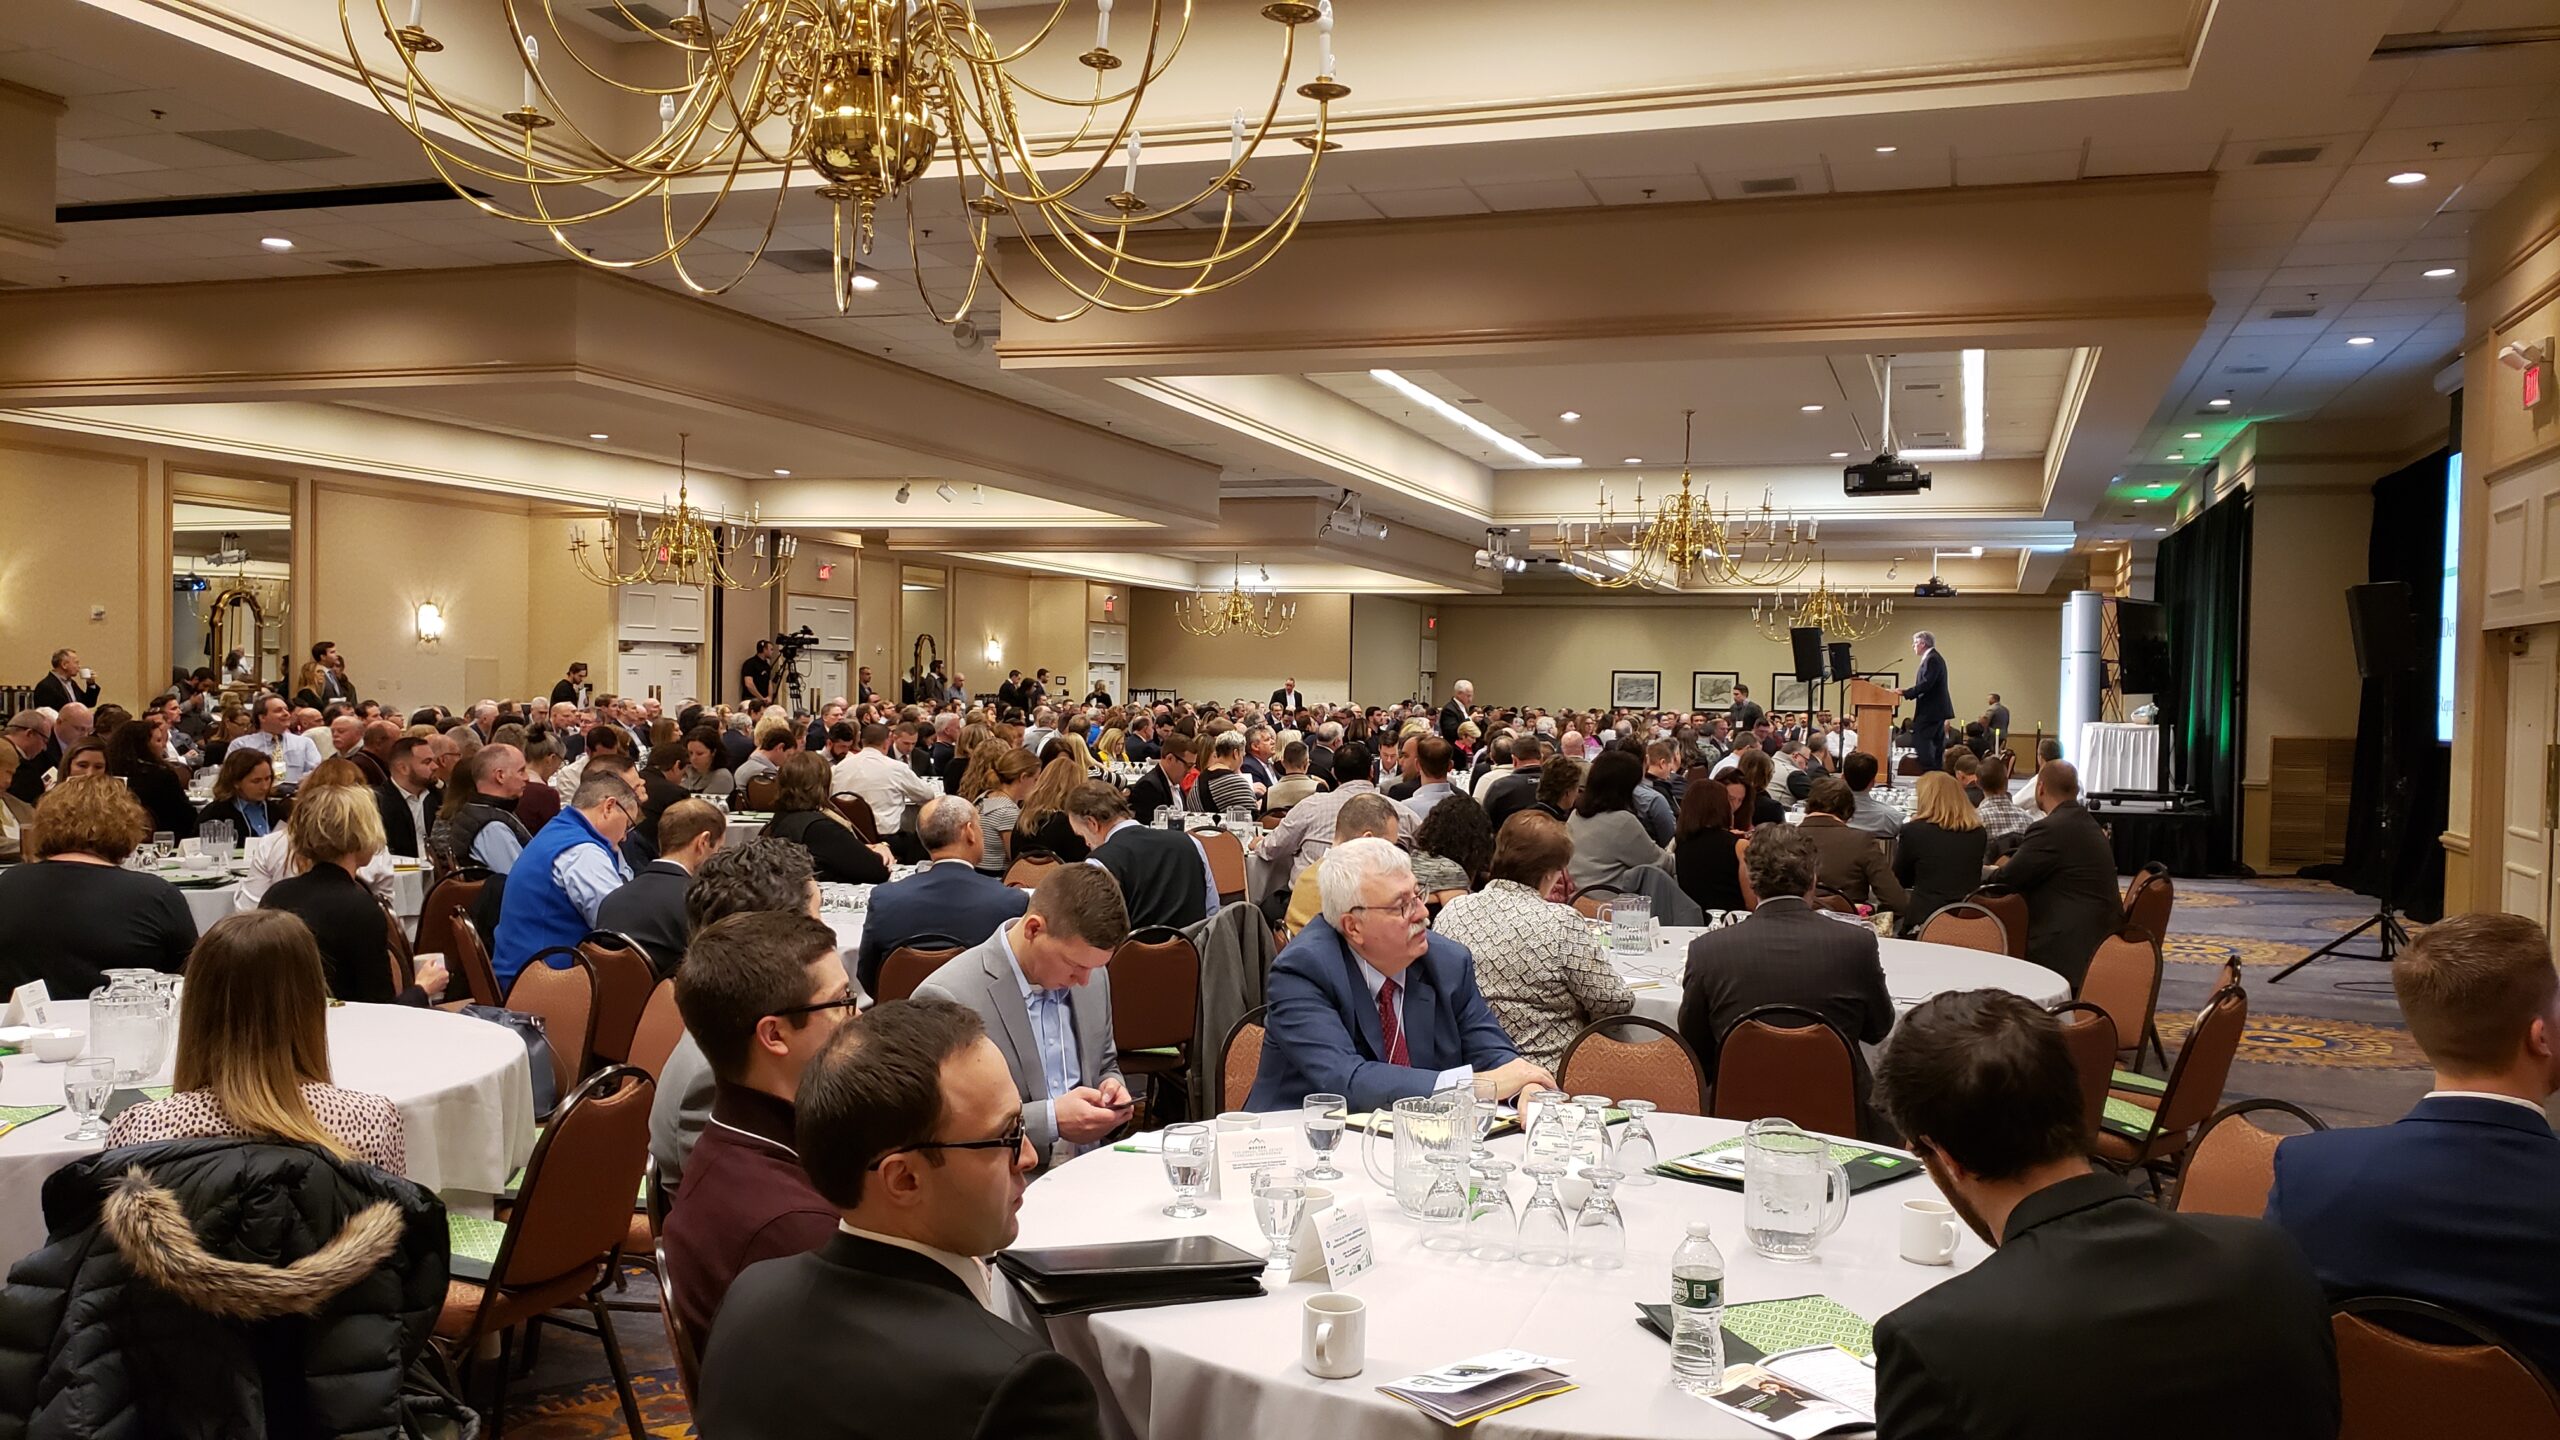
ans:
(1410, 903)
(1010, 1141)
(847, 1001)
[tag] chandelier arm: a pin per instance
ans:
(1267, 239)
(773, 220)
(968, 13)
(560, 37)
(1151, 65)
(1251, 254)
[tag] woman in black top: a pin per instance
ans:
(1752, 773)
(334, 831)
(243, 795)
(1707, 855)
(835, 852)
(75, 914)
(1938, 856)
(133, 754)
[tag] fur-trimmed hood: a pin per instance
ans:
(150, 1227)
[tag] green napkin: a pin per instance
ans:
(2146, 1084)
(1778, 1325)
(2133, 1122)
(13, 1116)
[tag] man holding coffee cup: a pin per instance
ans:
(67, 683)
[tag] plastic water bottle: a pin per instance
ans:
(1697, 1312)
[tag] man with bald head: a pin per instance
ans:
(486, 831)
(566, 732)
(372, 755)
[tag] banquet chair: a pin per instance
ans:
(2124, 981)
(564, 998)
(679, 1339)
(1155, 1006)
(2149, 898)
(1271, 819)
(2011, 911)
(1909, 765)
(2157, 1136)
(469, 962)
(396, 948)
(2232, 1164)
(449, 896)
(907, 967)
(625, 978)
(1226, 863)
(2089, 1033)
(2412, 1367)
(1967, 924)
(1240, 1059)
(1786, 1061)
(762, 791)
(661, 1027)
(1661, 1068)
(857, 813)
(1029, 869)
(570, 1217)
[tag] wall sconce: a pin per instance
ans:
(995, 651)
(430, 622)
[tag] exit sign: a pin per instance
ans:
(2532, 386)
(827, 571)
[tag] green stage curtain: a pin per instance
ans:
(2204, 583)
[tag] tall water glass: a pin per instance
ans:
(1600, 1232)
(1279, 1198)
(1188, 1151)
(1545, 1238)
(1487, 1093)
(1636, 1154)
(1793, 1192)
(1323, 1118)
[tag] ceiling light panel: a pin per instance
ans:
(1465, 421)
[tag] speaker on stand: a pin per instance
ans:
(2383, 620)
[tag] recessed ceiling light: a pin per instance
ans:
(598, 435)
(2177, 455)
(2437, 272)
(866, 282)
(2409, 177)
(2159, 529)
(277, 243)
(1810, 409)
(1839, 454)
(1570, 416)
(783, 473)
(2141, 499)
(1632, 460)
(2359, 339)
(1887, 149)
(2223, 403)
(2192, 435)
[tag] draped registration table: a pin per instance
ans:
(2119, 757)
(1914, 970)
(1206, 1370)
(463, 1087)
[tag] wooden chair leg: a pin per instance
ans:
(505, 1370)
(621, 1372)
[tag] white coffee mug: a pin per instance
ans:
(1929, 1232)
(1337, 1336)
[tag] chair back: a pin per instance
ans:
(574, 1208)
(1027, 872)
(1155, 989)
(1240, 1059)
(451, 895)
(679, 1339)
(761, 792)
(565, 998)
(1226, 863)
(857, 813)
(396, 949)
(2124, 981)
(1909, 765)
(2204, 1062)
(2089, 1032)
(2232, 1164)
(1589, 904)
(909, 965)
(2011, 911)
(1827, 898)
(1660, 1067)
(1967, 924)
(470, 960)
(2143, 907)
(624, 981)
(1786, 1061)
(2462, 1380)
(1271, 818)
(661, 1027)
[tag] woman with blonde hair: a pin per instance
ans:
(1938, 855)
(1042, 823)
(336, 831)
(1114, 749)
(1071, 745)
(272, 856)
(999, 779)
(253, 1052)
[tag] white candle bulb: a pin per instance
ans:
(1102, 24)
(532, 57)
(1324, 37)
(417, 13)
(1235, 141)
(1129, 174)
(666, 113)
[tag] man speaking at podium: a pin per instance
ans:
(1931, 706)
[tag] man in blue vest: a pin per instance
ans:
(567, 870)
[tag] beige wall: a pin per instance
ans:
(1054, 631)
(990, 605)
(78, 539)
(568, 617)
(1316, 649)
(1386, 648)
(875, 622)
(467, 556)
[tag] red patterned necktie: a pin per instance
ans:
(1389, 1029)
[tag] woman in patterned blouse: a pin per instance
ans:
(253, 1052)
(1538, 962)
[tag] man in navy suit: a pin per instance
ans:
(2454, 1202)
(948, 901)
(1931, 706)
(1370, 1004)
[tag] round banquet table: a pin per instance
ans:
(1914, 970)
(463, 1086)
(1193, 1370)
(209, 903)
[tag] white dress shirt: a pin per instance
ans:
(885, 783)
(294, 755)
(2538, 1111)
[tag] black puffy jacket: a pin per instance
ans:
(220, 1288)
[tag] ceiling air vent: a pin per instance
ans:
(1774, 185)
(272, 145)
(355, 265)
(2288, 155)
(623, 17)
(2244, 369)
(2294, 312)
(802, 262)
(1925, 385)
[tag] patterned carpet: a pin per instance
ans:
(2329, 1039)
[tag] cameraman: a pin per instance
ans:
(755, 677)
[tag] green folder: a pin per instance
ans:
(1762, 1328)
(13, 1116)
(2143, 1084)
(2132, 1121)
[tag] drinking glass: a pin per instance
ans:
(1444, 1205)
(86, 1084)
(1493, 1225)
(1545, 1113)
(1545, 1238)
(1187, 1153)
(1488, 1094)
(1591, 1131)
(1323, 1117)
(1600, 1232)
(163, 844)
(1279, 1198)
(1636, 1154)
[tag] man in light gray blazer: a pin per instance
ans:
(1038, 986)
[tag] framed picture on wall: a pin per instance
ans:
(1786, 692)
(1712, 690)
(1635, 689)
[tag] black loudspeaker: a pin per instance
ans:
(2385, 623)
(1808, 644)
(1840, 660)
(2142, 648)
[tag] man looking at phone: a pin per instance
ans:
(1058, 1044)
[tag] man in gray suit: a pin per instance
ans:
(1023, 983)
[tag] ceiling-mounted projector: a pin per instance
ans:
(1933, 588)
(1887, 474)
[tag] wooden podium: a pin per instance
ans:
(1871, 709)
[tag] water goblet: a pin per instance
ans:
(1279, 1198)
(1444, 1205)
(1636, 1154)
(1487, 1093)
(1323, 1118)
(1187, 1152)
(1544, 1113)
(86, 1085)
(1493, 1224)
(1545, 1237)
(1600, 1232)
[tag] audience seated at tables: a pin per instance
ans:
(947, 902)
(31, 739)
(661, 781)
(1748, 786)
(650, 910)
(801, 815)
(2065, 869)
(1873, 815)
(2004, 820)
(17, 817)
(2212, 1322)
(1367, 815)
(1044, 825)
(706, 765)
(1939, 854)
(565, 873)
(886, 783)
(1452, 848)
(271, 857)
(133, 756)
(1506, 795)
(2453, 1202)
(602, 738)
(1160, 788)
(1164, 875)
(761, 993)
(478, 825)
(539, 801)
(294, 753)
(1294, 783)
(774, 742)
(1368, 1004)
(75, 913)
(999, 778)
(334, 832)
(1707, 855)
(1559, 788)
(1301, 839)
(911, 1127)
(1540, 965)
(253, 1052)
(1608, 841)
(1851, 862)
(244, 796)
(1786, 953)
(1037, 985)
(1222, 785)
(1431, 759)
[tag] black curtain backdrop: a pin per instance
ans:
(2407, 546)
(2204, 583)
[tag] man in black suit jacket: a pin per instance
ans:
(1454, 714)
(1288, 698)
(2197, 1316)
(1518, 790)
(1932, 706)
(909, 1123)
(64, 685)
(1787, 953)
(2066, 869)
(410, 799)
(948, 898)
(1162, 784)
(649, 908)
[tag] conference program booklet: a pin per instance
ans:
(1468, 1390)
(1801, 1393)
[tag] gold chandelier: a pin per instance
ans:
(863, 93)
(1686, 542)
(1237, 609)
(683, 545)
(1836, 613)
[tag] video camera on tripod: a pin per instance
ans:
(790, 645)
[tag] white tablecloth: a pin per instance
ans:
(1190, 1371)
(408, 897)
(2118, 757)
(742, 828)
(463, 1087)
(1914, 970)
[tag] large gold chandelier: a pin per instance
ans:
(863, 93)
(1203, 613)
(1686, 542)
(684, 546)
(1838, 614)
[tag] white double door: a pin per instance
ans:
(2526, 870)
